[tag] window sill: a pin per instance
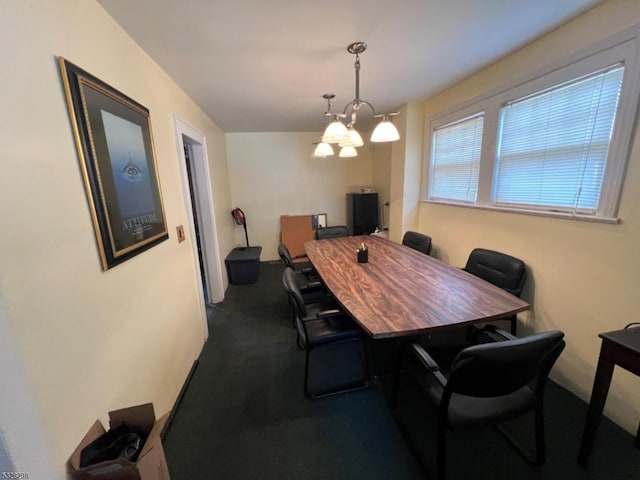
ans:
(538, 213)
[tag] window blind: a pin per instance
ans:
(553, 145)
(456, 159)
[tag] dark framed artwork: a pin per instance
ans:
(115, 145)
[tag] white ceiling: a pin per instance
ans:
(263, 65)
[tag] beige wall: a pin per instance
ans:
(87, 341)
(406, 159)
(272, 174)
(381, 179)
(584, 275)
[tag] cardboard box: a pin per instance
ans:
(151, 464)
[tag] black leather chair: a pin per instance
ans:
(417, 241)
(288, 260)
(332, 232)
(304, 270)
(314, 294)
(504, 271)
(318, 328)
(486, 384)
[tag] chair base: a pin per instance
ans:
(417, 454)
(350, 387)
(537, 458)
(344, 387)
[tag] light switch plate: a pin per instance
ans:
(180, 231)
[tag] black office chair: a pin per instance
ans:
(417, 241)
(306, 272)
(500, 269)
(314, 294)
(332, 232)
(322, 328)
(487, 384)
(288, 260)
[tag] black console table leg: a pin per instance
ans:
(601, 385)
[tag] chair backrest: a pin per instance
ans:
(292, 287)
(504, 271)
(285, 255)
(417, 241)
(332, 232)
(499, 368)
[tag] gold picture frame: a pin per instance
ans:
(115, 145)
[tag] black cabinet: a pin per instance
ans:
(362, 213)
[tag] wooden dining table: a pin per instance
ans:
(402, 292)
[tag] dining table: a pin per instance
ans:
(400, 292)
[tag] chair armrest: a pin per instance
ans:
(311, 286)
(301, 255)
(426, 359)
(429, 363)
(498, 332)
(307, 270)
(329, 313)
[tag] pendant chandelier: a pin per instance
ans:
(346, 136)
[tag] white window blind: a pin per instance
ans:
(553, 145)
(456, 160)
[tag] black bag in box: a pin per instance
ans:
(120, 442)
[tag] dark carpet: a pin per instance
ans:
(244, 416)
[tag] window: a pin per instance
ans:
(555, 143)
(456, 159)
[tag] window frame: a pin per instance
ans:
(623, 47)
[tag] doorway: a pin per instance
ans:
(197, 216)
(198, 198)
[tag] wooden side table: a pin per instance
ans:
(622, 348)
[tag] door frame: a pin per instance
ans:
(204, 195)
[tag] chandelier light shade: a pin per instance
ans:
(347, 152)
(385, 131)
(323, 150)
(335, 131)
(353, 139)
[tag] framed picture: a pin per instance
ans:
(115, 146)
